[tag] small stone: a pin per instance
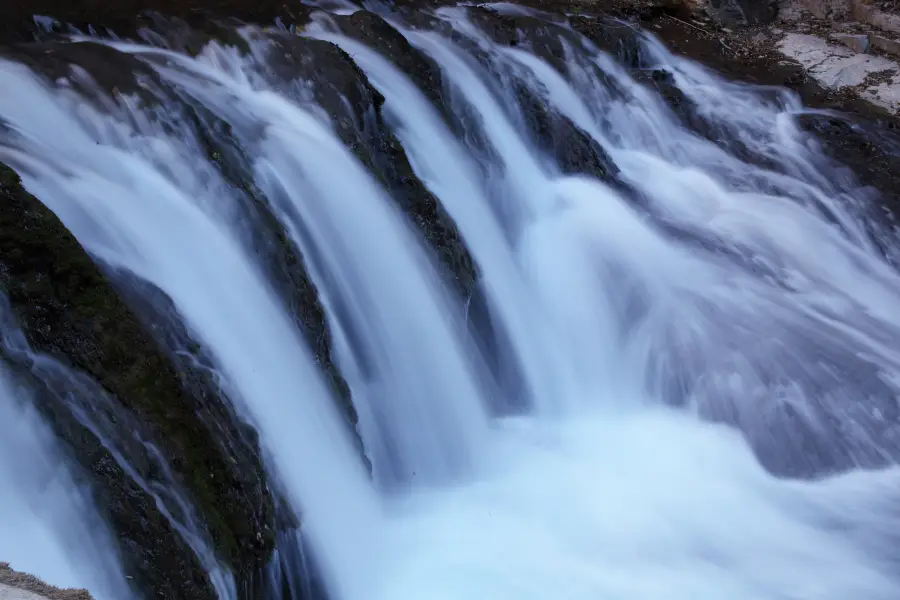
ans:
(857, 43)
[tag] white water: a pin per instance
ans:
(121, 206)
(47, 524)
(602, 492)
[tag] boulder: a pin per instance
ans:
(857, 43)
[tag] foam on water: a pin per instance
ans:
(654, 502)
(640, 507)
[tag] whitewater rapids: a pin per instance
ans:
(731, 292)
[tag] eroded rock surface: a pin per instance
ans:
(15, 585)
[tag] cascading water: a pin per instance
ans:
(337, 214)
(728, 274)
(48, 526)
(91, 406)
(121, 207)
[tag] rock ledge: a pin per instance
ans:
(21, 586)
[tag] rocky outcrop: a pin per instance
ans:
(841, 67)
(573, 149)
(21, 586)
(68, 310)
(355, 109)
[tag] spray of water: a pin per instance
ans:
(742, 288)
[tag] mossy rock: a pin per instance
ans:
(69, 310)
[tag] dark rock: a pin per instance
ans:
(68, 310)
(620, 39)
(125, 17)
(866, 153)
(743, 12)
(355, 108)
(571, 148)
(377, 33)
(278, 256)
(420, 68)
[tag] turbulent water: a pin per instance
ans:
(728, 278)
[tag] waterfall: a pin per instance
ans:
(699, 329)
(121, 207)
(48, 525)
(93, 409)
(337, 214)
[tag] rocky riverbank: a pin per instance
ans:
(796, 50)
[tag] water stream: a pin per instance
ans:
(685, 331)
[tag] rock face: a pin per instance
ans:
(832, 66)
(68, 310)
(21, 586)
(836, 67)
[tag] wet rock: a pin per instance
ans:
(420, 68)
(872, 150)
(355, 109)
(557, 136)
(620, 39)
(125, 17)
(378, 34)
(68, 310)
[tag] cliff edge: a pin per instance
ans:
(21, 586)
